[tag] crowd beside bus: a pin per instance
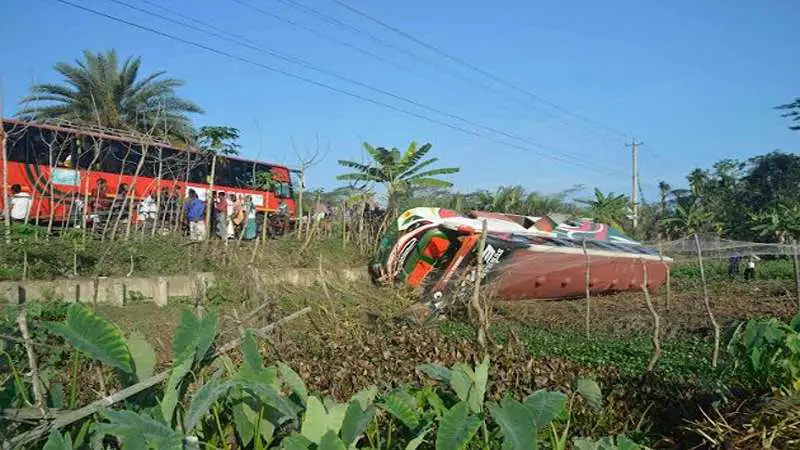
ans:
(232, 215)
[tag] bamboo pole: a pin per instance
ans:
(6, 202)
(476, 294)
(97, 145)
(668, 290)
(656, 320)
(209, 198)
(344, 227)
(159, 181)
(299, 207)
(587, 282)
(128, 201)
(707, 303)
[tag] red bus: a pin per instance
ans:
(59, 164)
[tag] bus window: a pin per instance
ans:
(284, 190)
(16, 144)
(92, 153)
(200, 167)
(240, 173)
(39, 144)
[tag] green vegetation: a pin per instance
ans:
(683, 360)
(400, 173)
(251, 404)
(72, 254)
(610, 209)
(100, 91)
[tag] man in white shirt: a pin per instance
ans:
(20, 203)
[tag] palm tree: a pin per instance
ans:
(509, 199)
(99, 91)
(698, 179)
(398, 172)
(664, 190)
(608, 209)
(793, 112)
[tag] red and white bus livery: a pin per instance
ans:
(60, 165)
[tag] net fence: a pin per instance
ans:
(715, 248)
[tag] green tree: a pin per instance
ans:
(689, 219)
(265, 181)
(99, 91)
(219, 140)
(609, 209)
(698, 179)
(779, 222)
(400, 172)
(792, 112)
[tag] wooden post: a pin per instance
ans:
(158, 192)
(209, 197)
(476, 294)
(361, 226)
(656, 321)
(796, 272)
(6, 208)
(587, 281)
(344, 227)
(706, 301)
(299, 207)
(668, 292)
(264, 225)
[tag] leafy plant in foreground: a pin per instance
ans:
(210, 402)
(767, 352)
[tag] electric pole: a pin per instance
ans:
(635, 180)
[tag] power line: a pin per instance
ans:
(221, 34)
(319, 84)
(336, 22)
(475, 68)
(404, 68)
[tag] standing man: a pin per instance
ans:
(733, 265)
(195, 215)
(750, 270)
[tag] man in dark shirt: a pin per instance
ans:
(195, 215)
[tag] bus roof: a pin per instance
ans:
(118, 135)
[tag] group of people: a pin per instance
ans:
(234, 215)
(750, 266)
(103, 207)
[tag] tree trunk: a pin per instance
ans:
(656, 321)
(707, 303)
(476, 294)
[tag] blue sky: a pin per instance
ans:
(696, 81)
